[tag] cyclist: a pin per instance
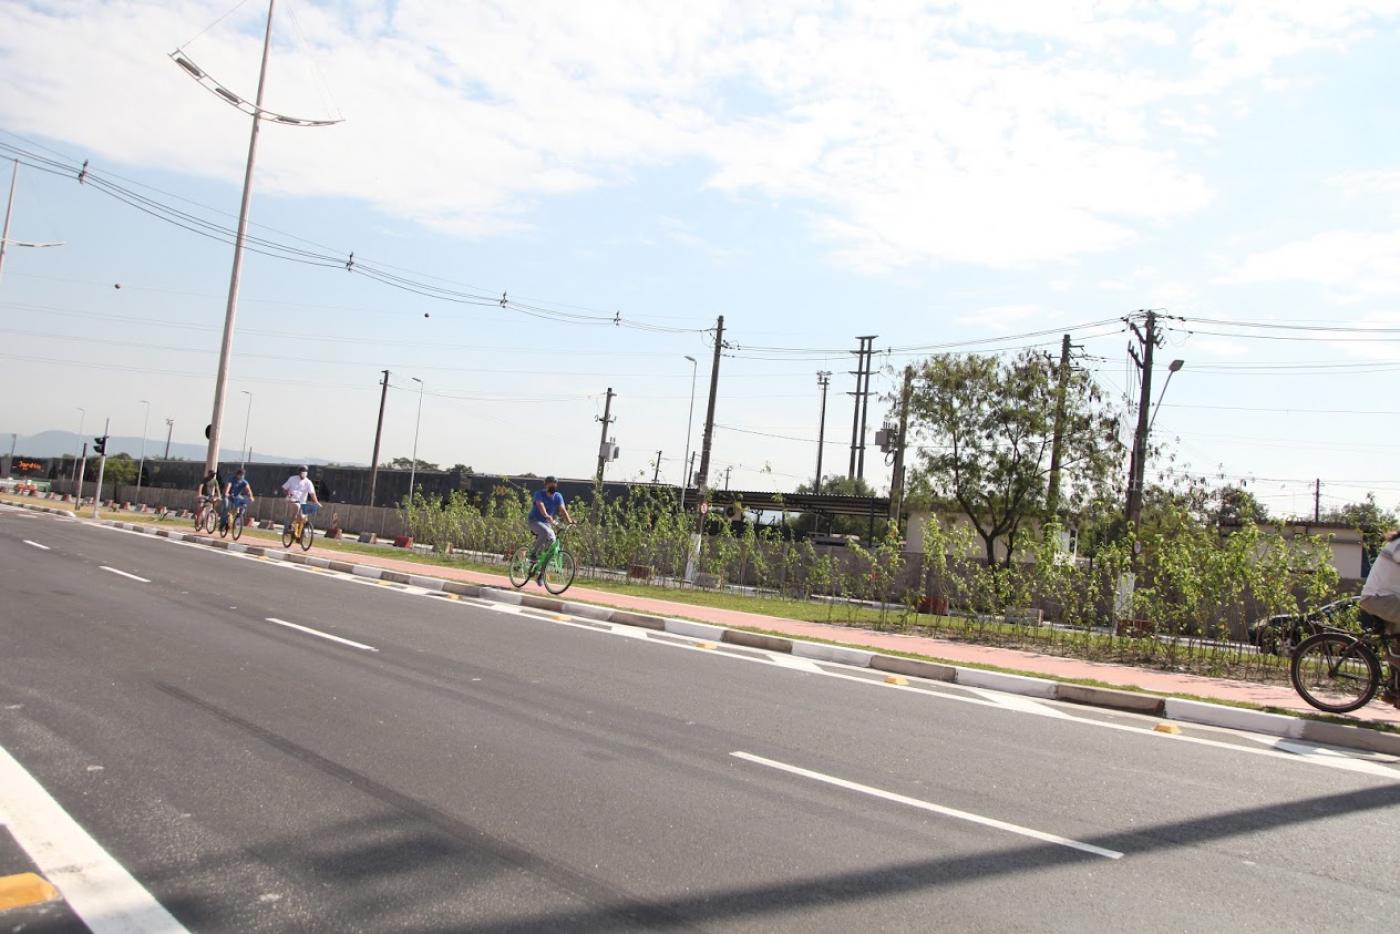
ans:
(545, 505)
(238, 494)
(299, 490)
(1380, 596)
(211, 491)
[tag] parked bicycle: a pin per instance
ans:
(301, 529)
(1339, 671)
(554, 565)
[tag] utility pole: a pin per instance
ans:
(607, 420)
(656, 475)
(707, 440)
(1052, 495)
(141, 467)
(1317, 500)
(861, 398)
(378, 434)
(169, 430)
(897, 477)
(726, 477)
(824, 381)
(690, 475)
(1148, 340)
(101, 467)
(211, 457)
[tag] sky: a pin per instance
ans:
(931, 173)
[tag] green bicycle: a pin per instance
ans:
(555, 564)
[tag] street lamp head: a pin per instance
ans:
(416, 380)
(690, 358)
(1176, 365)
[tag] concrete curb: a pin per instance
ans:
(1169, 708)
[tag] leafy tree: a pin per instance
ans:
(1368, 518)
(406, 463)
(989, 425)
(121, 470)
(1237, 506)
(837, 485)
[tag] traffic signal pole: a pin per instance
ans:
(101, 466)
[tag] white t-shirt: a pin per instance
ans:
(1385, 572)
(298, 488)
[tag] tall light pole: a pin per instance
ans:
(78, 442)
(145, 427)
(5, 231)
(824, 381)
(1172, 369)
(689, 422)
(256, 111)
(169, 430)
(413, 468)
(248, 417)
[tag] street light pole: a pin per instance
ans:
(246, 419)
(689, 422)
(413, 468)
(9, 206)
(823, 380)
(1172, 369)
(145, 427)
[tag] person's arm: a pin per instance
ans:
(227, 487)
(564, 511)
(312, 494)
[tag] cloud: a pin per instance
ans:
(1352, 264)
(1001, 133)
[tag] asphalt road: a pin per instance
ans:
(449, 766)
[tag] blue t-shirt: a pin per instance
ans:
(238, 488)
(545, 505)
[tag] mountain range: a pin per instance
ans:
(59, 443)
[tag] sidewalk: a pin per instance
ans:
(1047, 666)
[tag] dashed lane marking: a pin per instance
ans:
(323, 635)
(929, 806)
(124, 574)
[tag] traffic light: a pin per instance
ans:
(100, 447)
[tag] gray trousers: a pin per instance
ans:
(544, 537)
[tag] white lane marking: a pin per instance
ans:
(1019, 702)
(323, 635)
(37, 545)
(929, 806)
(98, 888)
(1366, 763)
(124, 574)
(795, 663)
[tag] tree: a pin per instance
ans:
(1238, 506)
(1368, 518)
(837, 485)
(406, 463)
(989, 423)
(121, 470)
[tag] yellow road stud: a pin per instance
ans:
(1171, 728)
(25, 888)
(704, 645)
(896, 679)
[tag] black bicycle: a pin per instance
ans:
(1339, 671)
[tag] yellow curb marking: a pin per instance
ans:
(704, 645)
(896, 679)
(561, 617)
(23, 889)
(1171, 728)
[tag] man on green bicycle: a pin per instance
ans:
(545, 505)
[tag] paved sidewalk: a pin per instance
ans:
(1049, 666)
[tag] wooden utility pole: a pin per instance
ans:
(1317, 500)
(656, 475)
(607, 420)
(897, 488)
(702, 480)
(1057, 444)
(1148, 339)
(378, 434)
(824, 381)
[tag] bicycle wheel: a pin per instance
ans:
(223, 525)
(287, 536)
(1335, 672)
(199, 519)
(308, 533)
(238, 520)
(211, 519)
(559, 574)
(520, 567)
